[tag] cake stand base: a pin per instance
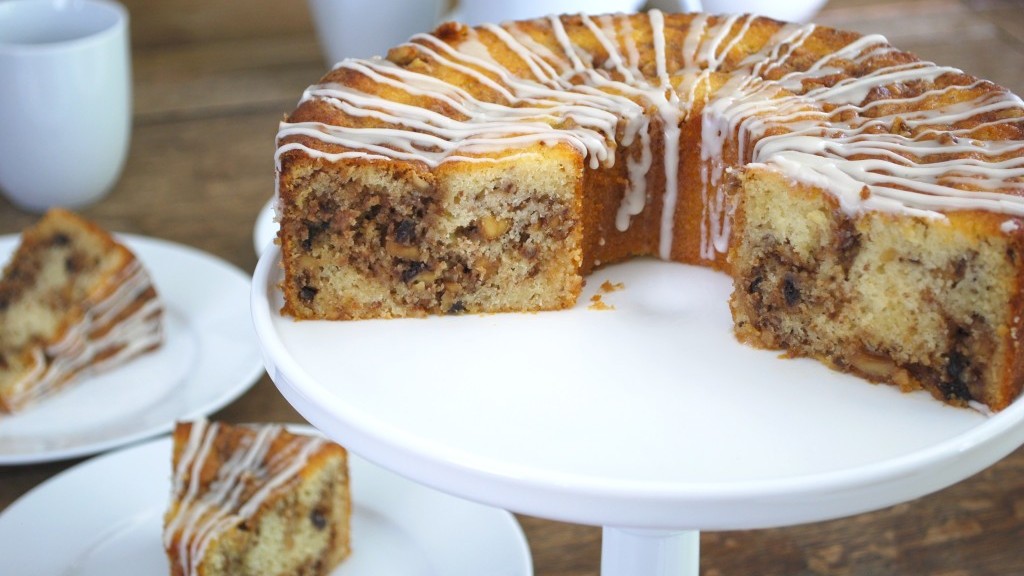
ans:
(629, 551)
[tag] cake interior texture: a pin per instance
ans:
(867, 204)
(920, 305)
(256, 500)
(73, 301)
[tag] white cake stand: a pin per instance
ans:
(649, 419)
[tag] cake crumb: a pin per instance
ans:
(607, 287)
(596, 301)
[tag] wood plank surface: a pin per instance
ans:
(211, 84)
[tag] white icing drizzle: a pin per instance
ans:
(667, 103)
(614, 56)
(243, 482)
(920, 159)
(632, 52)
(76, 353)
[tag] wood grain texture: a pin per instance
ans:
(211, 84)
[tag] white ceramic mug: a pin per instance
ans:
(474, 12)
(786, 10)
(360, 29)
(65, 100)
(355, 29)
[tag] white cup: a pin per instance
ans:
(474, 12)
(786, 10)
(360, 29)
(65, 100)
(356, 29)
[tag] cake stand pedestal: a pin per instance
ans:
(628, 552)
(645, 416)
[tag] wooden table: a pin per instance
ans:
(212, 83)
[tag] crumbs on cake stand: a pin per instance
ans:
(597, 302)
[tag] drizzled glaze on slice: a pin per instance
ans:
(212, 498)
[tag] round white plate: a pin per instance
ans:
(647, 415)
(209, 357)
(265, 229)
(105, 517)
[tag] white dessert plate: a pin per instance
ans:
(643, 411)
(104, 517)
(209, 358)
(265, 229)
